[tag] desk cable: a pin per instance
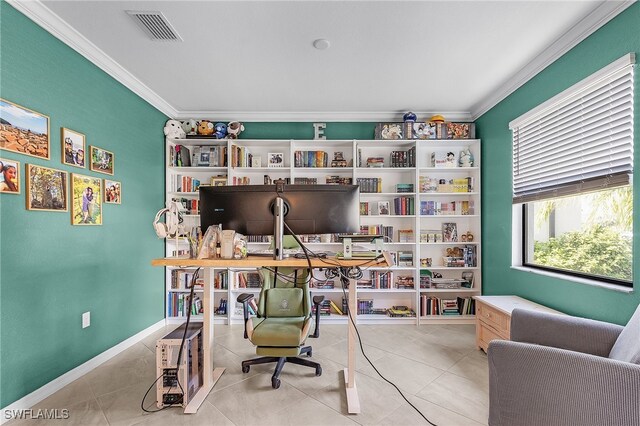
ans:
(184, 336)
(345, 275)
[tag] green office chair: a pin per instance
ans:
(284, 319)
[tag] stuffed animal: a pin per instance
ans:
(220, 130)
(234, 129)
(173, 130)
(205, 128)
(190, 127)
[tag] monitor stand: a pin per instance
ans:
(278, 229)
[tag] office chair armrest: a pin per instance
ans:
(316, 301)
(244, 299)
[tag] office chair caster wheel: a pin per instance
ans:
(318, 371)
(275, 382)
(245, 368)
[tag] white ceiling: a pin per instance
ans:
(253, 60)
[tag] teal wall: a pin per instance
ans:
(361, 130)
(52, 272)
(612, 41)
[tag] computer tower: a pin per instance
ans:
(187, 376)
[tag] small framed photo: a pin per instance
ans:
(23, 130)
(449, 232)
(46, 189)
(218, 181)
(10, 181)
(101, 161)
(276, 159)
(383, 208)
(112, 189)
(86, 201)
(256, 161)
(73, 147)
(467, 276)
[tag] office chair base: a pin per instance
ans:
(280, 361)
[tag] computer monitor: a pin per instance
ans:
(306, 209)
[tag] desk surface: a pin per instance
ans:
(260, 261)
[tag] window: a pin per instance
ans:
(572, 168)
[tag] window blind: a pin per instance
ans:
(580, 140)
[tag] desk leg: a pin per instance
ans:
(210, 376)
(353, 402)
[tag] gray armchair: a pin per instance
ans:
(562, 370)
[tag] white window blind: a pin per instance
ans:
(580, 140)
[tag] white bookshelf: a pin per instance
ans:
(353, 150)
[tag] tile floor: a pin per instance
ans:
(436, 366)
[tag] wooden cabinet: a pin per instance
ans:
(493, 317)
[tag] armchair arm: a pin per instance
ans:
(537, 385)
(316, 301)
(244, 299)
(564, 332)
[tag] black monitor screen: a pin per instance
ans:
(309, 209)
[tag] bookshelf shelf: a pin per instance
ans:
(355, 153)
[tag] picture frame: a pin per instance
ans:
(218, 181)
(112, 192)
(101, 160)
(467, 276)
(73, 147)
(86, 200)
(46, 188)
(24, 130)
(10, 180)
(256, 161)
(275, 159)
(384, 208)
(449, 232)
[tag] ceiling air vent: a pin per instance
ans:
(155, 25)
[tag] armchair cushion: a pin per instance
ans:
(627, 347)
(280, 332)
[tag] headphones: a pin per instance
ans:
(172, 225)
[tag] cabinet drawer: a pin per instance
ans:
(499, 320)
(488, 334)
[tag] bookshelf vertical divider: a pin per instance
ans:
(436, 197)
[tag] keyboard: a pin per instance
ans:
(269, 252)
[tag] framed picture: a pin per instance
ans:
(73, 147)
(449, 232)
(467, 276)
(23, 130)
(101, 160)
(383, 208)
(256, 161)
(86, 200)
(276, 159)
(112, 190)
(218, 181)
(9, 176)
(46, 188)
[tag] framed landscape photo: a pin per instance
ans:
(73, 147)
(86, 200)
(23, 130)
(10, 181)
(46, 188)
(276, 159)
(112, 193)
(101, 161)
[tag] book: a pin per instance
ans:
(336, 308)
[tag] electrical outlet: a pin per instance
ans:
(86, 319)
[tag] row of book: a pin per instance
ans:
(242, 157)
(432, 306)
(384, 230)
(190, 205)
(222, 308)
(442, 208)
(403, 158)
(369, 185)
(185, 184)
(433, 184)
(181, 279)
(178, 305)
(310, 159)
(404, 206)
(221, 280)
(249, 279)
(404, 187)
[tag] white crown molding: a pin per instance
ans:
(338, 116)
(58, 383)
(587, 26)
(44, 17)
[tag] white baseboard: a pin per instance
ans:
(55, 385)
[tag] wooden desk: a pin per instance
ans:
(493, 317)
(211, 376)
